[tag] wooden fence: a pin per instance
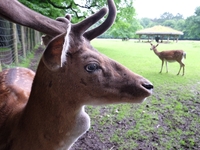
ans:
(16, 42)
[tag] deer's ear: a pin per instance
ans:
(55, 53)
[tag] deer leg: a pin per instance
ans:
(161, 66)
(182, 65)
(166, 67)
(183, 69)
(179, 69)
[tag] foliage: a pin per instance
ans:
(193, 25)
(44, 7)
(126, 24)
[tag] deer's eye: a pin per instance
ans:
(91, 67)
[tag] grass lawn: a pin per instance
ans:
(170, 118)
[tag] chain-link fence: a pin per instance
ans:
(16, 42)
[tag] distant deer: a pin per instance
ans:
(45, 111)
(170, 56)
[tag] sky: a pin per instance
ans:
(155, 8)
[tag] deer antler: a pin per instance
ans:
(16, 12)
(105, 25)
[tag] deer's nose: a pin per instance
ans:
(148, 86)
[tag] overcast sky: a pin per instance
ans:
(155, 8)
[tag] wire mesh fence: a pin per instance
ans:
(16, 42)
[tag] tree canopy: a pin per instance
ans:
(192, 25)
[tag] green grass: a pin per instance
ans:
(169, 119)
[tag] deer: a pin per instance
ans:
(170, 56)
(45, 110)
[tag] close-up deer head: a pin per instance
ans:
(46, 110)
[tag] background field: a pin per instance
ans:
(169, 119)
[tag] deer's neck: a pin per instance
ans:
(156, 52)
(53, 117)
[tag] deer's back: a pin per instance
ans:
(15, 87)
(172, 55)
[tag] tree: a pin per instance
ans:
(126, 24)
(46, 8)
(146, 22)
(166, 16)
(193, 25)
(178, 17)
(197, 11)
(169, 23)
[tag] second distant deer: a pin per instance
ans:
(170, 56)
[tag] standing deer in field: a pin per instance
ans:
(45, 110)
(170, 56)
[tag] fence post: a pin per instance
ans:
(29, 41)
(15, 43)
(23, 41)
(36, 37)
(32, 39)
